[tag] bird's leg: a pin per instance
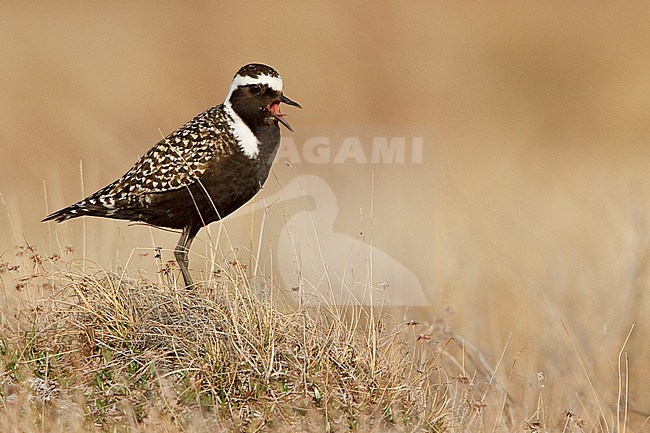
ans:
(183, 247)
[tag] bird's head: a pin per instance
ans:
(256, 94)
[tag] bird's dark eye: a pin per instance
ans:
(256, 89)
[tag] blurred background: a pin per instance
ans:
(525, 224)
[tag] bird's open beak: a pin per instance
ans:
(274, 109)
(289, 101)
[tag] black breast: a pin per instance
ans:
(227, 184)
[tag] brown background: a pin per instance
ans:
(530, 209)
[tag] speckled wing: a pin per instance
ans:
(175, 162)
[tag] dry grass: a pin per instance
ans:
(103, 351)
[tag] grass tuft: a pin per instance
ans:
(103, 351)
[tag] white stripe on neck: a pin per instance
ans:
(245, 137)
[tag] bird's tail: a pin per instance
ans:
(72, 211)
(100, 204)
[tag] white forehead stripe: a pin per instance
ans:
(274, 83)
(245, 137)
